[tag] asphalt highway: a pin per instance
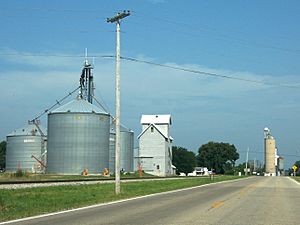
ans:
(257, 200)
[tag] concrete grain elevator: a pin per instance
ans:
(270, 153)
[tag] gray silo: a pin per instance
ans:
(136, 160)
(126, 154)
(22, 144)
(78, 138)
(112, 148)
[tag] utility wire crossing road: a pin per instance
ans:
(258, 200)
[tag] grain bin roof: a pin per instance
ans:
(28, 130)
(79, 106)
(122, 128)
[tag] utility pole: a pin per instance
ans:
(246, 172)
(116, 20)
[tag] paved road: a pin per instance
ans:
(258, 200)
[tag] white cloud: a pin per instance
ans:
(44, 60)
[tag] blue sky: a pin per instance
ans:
(256, 40)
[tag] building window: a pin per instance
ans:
(157, 167)
(152, 129)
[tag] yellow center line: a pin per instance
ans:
(239, 194)
(246, 189)
(217, 204)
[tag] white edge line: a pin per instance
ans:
(116, 202)
(294, 180)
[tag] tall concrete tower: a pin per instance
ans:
(270, 153)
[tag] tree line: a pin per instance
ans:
(2, 154)
(219, 157)
(216, 156)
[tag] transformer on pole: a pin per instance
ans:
(117, 19)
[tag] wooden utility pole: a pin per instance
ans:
(116, 20)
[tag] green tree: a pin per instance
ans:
(184, 160)
(2, 154)
(240, 168)
(218, 156)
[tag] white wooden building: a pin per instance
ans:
(155, 151)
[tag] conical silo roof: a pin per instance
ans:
(122, 128)
(79, 105)
(28, 130)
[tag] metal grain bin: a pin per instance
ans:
(112, 148)
(126, 142)
(22, 143)
(78, 138)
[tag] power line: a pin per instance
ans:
(101, 105)
(59, 10)
(53, 55)
(192, 70)
(214, 32)
(208, 73)
(157, 64)
(281, 154)
(208, 30)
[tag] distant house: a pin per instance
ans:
(155, 153)
(199, 171)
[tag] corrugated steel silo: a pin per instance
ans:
(126, 154)
(22, 143)
(112, 148)
(78, 138)
(136, 160)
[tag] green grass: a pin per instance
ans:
(29, 176)
(44, 177)
(35, 201)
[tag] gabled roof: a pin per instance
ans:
(156, 119)
(153, 125)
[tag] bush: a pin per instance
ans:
(21, 173)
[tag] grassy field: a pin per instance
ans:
(34, 201)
